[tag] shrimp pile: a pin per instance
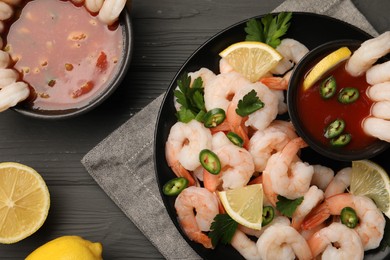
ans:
(12, 89)
(363, 60)
(270, 155)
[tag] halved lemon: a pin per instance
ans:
(324, 65)
(251, 59)
(24, 202)
(244, 205)
(371, 180)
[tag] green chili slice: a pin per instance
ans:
(268, 215)
(341, 140)
(214, 117)
(328, 87)
(235, 139)
(335, 128)
(210, 161)
(349, 217)
(175, 186)
(348, 95)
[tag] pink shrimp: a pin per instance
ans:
(285, 177)
(205, 204)
(371, 221)
(277, 83)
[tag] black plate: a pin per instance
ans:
(310, 29)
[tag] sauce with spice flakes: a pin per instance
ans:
(317, 112)
(63, 52)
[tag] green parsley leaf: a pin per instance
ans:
(249, 104)
(385, 242)
(222, 229)
(287, 206)
(269, 29)
(191, 99)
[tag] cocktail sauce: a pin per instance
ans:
(316, 112)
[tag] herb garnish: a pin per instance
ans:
(269, 29)
(191, 99)
(222, 229)
(249, 104)
(286, 206)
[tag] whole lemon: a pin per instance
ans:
(68, 248)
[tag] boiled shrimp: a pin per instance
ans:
(266, 142)
(292, 52)
(371, 220)
(281, 241)
(7, 76)
(263, 117)
(220, 91)
(4, 60)
(283, 176)
(367, 54)
(184, 143)
(377, 127)
(246, 246)
(205, 206)
(93, 5)
(339, 183)
(111, 10)
(379, 92)
(6, 11)
(311, 199)
(322, 176)
(12, 94)
(12, 2)
(224, 66)
(378, 73)
(381, 109)
(277, 83)
(349, 243)
(237, 168)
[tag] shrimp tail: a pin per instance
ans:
(316, 217)
(180, 171)
(276, 83)
(211, 181)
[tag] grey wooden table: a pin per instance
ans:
(166, 32)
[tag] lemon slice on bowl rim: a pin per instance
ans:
(324, 65)
(251, 59)
(244, 205)
(371, 180)
(24, 202)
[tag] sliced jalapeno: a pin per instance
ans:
(268, 215)
(235, 139)
(214, 117)
(349, 217)
(175, 186)
(341, 140)
(348, 95)
(328, 87)
(210, 161)
(335, 128)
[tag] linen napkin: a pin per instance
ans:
(122, 164)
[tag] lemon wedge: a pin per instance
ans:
(244, 205)
(251, 59)
(371, 180)
(24, 202)
(324, 65)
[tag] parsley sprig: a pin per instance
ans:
(268, 29)
(222, 229)
(191, 99)
(286, 206)
(249, 104)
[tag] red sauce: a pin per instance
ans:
(316, 113)
(63, 52)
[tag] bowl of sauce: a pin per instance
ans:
(71, 60)
(329, 114)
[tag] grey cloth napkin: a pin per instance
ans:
(122, 164)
